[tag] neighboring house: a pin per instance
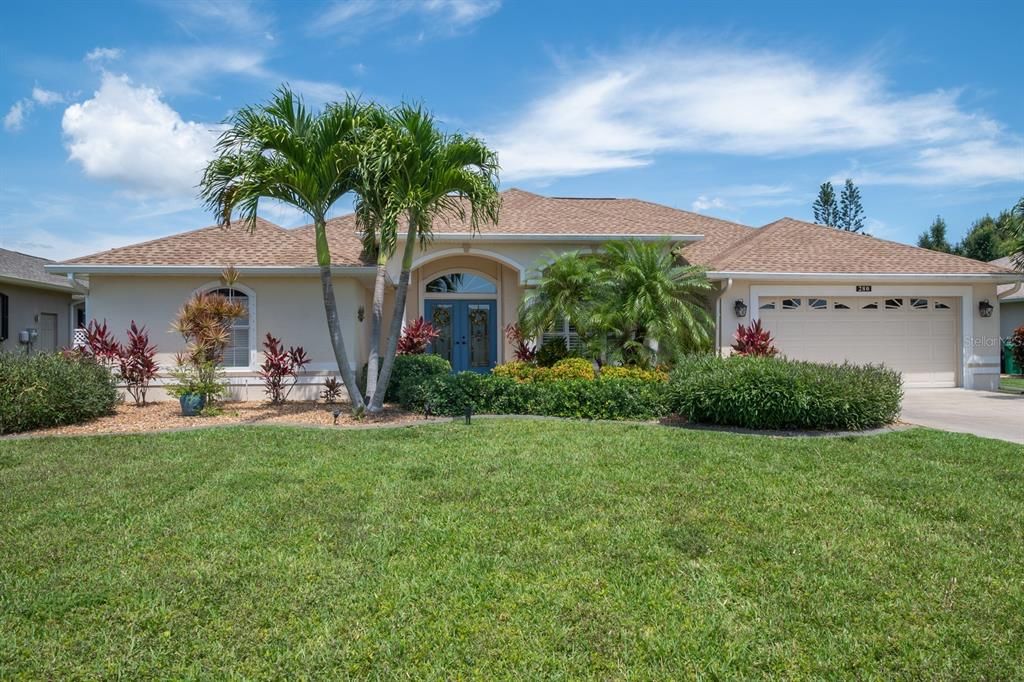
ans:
(1011, 302)
(826, 295)
(33, 299)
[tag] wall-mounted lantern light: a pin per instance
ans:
(985, 308)
(740, 308)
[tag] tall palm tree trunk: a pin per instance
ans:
(348, 375)
(395, 328)
(376, 322)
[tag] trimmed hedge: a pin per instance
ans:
(412, 371)
(580, 398)
(774, 393)
(49, 389)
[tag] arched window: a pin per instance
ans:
(461, 283)
(237, 352)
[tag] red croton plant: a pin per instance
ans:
(416, 336)
(280, 368)
(520, 343)
(754, 340)
(134, 363)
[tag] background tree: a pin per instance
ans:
(826, 212)
(934, 237)
(280, 150)
(981, 242)
(851, 212)
(432, 176)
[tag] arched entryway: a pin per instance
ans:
(462, 304)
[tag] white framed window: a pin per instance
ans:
(561, 329)
(237, 352)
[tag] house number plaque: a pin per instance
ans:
(863, 288)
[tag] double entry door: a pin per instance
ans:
(468, 328)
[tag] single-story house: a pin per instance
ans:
(826, 295)
(43, 307)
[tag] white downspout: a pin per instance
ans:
(718, 314)
(1011, 292)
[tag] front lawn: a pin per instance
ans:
(511, 549)
(1012, 383)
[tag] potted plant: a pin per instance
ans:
(196, 385)
(205, 324)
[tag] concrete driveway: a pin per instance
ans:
(986, 414)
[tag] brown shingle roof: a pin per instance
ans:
(790, 245)
(786, 245)
(269, 244)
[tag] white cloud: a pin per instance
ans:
(18, 114)
(46, 97)
(973, 162)
(239, 16)
(319, 92)
(352, 18)
(182, 69)
(15, 118)
(103, 54)
(128, 134)
(621, 112)
(283, 214)
(704, 203)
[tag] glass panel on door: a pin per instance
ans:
(479, 316)
(441, 317)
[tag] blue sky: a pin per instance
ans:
(738, 110)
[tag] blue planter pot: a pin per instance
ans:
(191, 404)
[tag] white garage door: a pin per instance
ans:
(916, 335)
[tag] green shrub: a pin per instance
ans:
(49, 389)
(410, 372)
(773, 393)
(581, 398)
(551, 351)
(516, 369)
(616, 372)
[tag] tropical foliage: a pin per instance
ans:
(416, 337)
(133, 363)
(280, 368)
(632, 302)
(755, 340)
(397, 164)
(281, 150)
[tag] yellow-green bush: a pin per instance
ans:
(569, 368)
(516, 369)
(612, 372)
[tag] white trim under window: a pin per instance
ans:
(234, 356)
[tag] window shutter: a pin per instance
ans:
(4, 313)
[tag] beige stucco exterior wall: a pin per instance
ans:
(980, 353)
(24, 306)
(290, 308)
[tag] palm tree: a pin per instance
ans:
(566, 288)
(431, 176)
(651, 299)
(1017, 235)
(377, 215)
(280, 150)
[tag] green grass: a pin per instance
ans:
(1014, 383)
(511, 549)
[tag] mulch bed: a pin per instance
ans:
(165, 416)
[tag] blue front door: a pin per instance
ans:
(469, 338)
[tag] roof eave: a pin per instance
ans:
(36, 284)
(254, 270)
(993, 277)
(562, 237)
